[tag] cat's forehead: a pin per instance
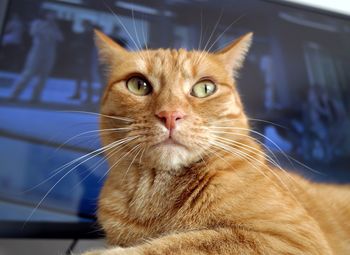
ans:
(158, 63)
(164, 67)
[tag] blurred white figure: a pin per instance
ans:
(41, 56)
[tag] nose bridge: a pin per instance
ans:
(169, 98)
(169, 108)
(168, 101)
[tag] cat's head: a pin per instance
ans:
(177, 104)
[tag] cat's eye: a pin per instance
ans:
(139, 86)
(203, 89)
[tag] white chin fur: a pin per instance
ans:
(170, 157)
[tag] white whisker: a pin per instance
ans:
(132, 161)
(201, 31)
(250, 119)
(103, 115)
(289, 158)
(116, 163)
(258, 153)
(225, 30)
(123, 26)
(133, 21)
(144, 149)
(250, 160)
(114, 150)
(204, 52)
(60, 169)
(145, 42)
(97, 131)
(100, 151)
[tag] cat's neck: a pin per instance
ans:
(149, 188)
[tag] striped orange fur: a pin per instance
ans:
(216, 191)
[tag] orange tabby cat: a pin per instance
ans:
(185, 175)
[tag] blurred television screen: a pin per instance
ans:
(294, 84)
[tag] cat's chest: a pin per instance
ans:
(167, 201)
(128, 221)
(154, 208)
(157, 200)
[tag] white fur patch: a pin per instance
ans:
(141, 65)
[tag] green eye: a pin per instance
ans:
(138, 86)
(203, 89)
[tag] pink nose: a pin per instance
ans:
(169, 118)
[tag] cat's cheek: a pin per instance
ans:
(234, 106)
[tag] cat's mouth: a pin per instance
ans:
(170, 141)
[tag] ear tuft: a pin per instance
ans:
(109, 50)
(233, 54)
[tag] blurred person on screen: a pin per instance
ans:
(320, 114)
(41, 57)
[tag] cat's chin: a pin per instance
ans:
(170, 156)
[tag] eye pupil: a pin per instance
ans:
(203, 89)
(139, 86)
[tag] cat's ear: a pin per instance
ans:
(233, 54)
(109, 51)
